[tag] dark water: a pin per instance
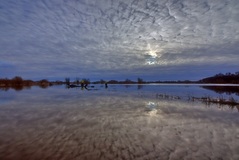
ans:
(120, 122)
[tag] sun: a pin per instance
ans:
(152, 53)
(151, 56)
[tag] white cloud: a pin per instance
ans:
(110, 35)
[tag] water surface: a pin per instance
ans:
(120, 122)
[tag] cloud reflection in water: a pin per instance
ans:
(105, 125)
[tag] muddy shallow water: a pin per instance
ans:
(62, 124)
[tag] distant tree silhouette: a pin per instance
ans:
(219, 75)
(140, 80)
(44, 83)
(228, 74)
(67, 81)
(113, 82)
(77, 80)
(17, 81)
(4, 82)
(221, 78)
(128, 81)
(102, 81)
(86, 81)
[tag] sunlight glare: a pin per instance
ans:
(152, 56)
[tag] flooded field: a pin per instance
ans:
(120, 122)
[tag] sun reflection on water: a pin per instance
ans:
(152, 111)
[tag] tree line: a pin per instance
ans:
(87, 81)
(227, 78)
(18, 83)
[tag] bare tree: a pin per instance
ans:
(140, 81)
(77, 80)
(67, 81)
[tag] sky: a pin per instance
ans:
(118, 39)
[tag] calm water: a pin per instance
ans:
(120, 122)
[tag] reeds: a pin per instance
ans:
(206, 99)
(165, 96)
(220, 100)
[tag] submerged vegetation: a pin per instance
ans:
(220, 100)
(231, 102)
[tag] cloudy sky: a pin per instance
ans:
(118, 39)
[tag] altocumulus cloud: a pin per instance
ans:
(107, 38)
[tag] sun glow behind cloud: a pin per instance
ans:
(151, 56)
